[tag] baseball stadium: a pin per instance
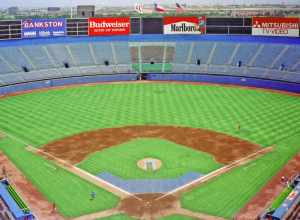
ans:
(168, 118)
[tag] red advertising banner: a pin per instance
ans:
(109, 26)
(275, 26)
(184, 25)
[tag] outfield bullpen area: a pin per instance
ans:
(110, 127)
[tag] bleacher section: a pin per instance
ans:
(244, 56)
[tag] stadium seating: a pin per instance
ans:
(202, 51)
(9, 54)
(69, 57)
(122, 52)
(267, 55)
(60, 55)
(223, 53)
(81, 54)
(103, 52)
(182, 52)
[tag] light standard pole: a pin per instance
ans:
(71, 8)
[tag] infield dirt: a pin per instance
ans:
(225, 149)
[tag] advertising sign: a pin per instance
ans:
(32, 28)
(109, 26)
(184, 25)
(275, 26)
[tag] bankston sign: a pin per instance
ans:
(273, 26)
(109, 26)
(32, 28)
(184, 25)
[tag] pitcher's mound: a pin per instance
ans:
(149, 164)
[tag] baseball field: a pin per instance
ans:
(70, 123)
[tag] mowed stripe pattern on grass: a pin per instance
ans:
(265, 118)
(42, 117)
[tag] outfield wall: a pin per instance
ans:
(185, 77)
(229, 80)
(65, 82)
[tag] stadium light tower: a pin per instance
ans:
(71, 3)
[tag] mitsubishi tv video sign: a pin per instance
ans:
(109, 26)
(275, 26)
(32, 28)
(184, 25)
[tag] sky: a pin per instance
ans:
(43, 3)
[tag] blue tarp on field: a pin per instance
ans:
(137, 186)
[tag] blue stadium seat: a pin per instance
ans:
(60, 54)
(38, 57)
(289, 58)
(14, 56)
(182, 52)
(267, 55)
(122, 52)
(201, 51)
(81, 53)
(222, 53)
(244, 53)
(103, 52)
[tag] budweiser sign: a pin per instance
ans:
(109, 26)
(184, 25)
(275, 26)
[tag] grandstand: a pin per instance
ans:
(241, 56)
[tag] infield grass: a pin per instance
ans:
(265, 118)
(122, 160)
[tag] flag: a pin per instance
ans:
(139, 8)
(159, 8)
(179, 8)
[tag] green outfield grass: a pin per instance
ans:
(122, 160)
(265, 118)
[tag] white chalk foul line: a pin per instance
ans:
(31, 147)
(218, 172)
(82, 173)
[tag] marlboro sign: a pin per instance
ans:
(184, 25)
